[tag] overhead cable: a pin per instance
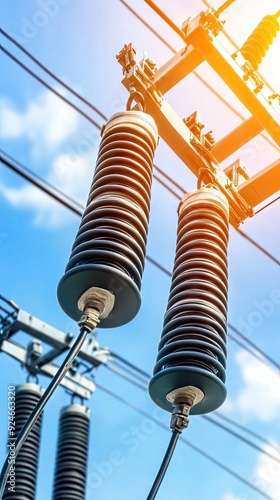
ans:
(49, 87)
(183, 440)
(50, 73)
(150, 259)
(204, 82)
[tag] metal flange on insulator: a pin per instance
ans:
(110, 246)
(190, 366)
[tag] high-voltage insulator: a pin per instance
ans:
(72, 452)
(110, 246)
(255, 47)
(192, 351)
(26, 464)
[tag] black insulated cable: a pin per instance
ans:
(36, 412)
(198, 450)
(164, 465)
(148, 258)
(155, 167)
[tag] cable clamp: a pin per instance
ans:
(89, 319)
(179, 418)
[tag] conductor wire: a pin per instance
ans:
(34, 415)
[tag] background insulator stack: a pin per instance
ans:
(192, 349)
(72, 452)
(26, 466)
(110, 246)
(257, 44)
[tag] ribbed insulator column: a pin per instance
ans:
(26, 464)
(72, 452)
(257, 44)
(110, 246)
(192, 349)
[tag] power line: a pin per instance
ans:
(33, 174)
(147, 25)
(118, 373)
(131, 365)
(261, 352)
(125, 377)
(210, 419)
(261, 358)
(37, 410)
(204, 82)
(166, 19)
(268, 205)
(263, 250)
(245, 429)
(183, 440)
(164, 465)
(70, 90)
(237, 48)
(130, 371)
(223, 7)
(49, 87)
(243, 439)
(50, 73)
(39, 185)
(150, 259)
(217, 413)
(156, 168)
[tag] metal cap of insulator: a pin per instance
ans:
(110, 246)
(72, 452)
(26, 464)
(190, 366)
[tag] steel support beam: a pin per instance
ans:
(262, 185)
(74, 382)
(237, 138)
(27, 323)
(244, 85)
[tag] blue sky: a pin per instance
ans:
(78, 41)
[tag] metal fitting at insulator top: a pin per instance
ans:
(191, 361)
(257, 44)
(109, 250)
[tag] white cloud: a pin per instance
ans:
(230, 496)
(71, 178)
(46, 122)
(266, 475)
(259, 396)
(267, 472)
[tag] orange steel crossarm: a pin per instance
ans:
(245, 84)
(262, 185)
(197, 151)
